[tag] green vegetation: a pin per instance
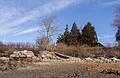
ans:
(117, 24)
(89, 35)
(76, 37)
(118, 35)
(65, 38)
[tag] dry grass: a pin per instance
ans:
(64, 70)
(85, 51)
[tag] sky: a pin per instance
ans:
(20, 19)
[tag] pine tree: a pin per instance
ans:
(117, 24)
(118, 35)
(89, 35)
(65, 38)
(74, 35)
(60, 39)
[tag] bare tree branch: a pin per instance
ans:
(49, 29)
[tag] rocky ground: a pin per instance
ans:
(57, 69)
(56, 65)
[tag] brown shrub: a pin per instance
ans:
(85, 51)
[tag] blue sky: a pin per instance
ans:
(20, 19)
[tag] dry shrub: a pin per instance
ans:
(112, 52)
(85, 51)
(80, 51)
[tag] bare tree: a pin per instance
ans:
(20, 45)
(49, 28)
(42, 40)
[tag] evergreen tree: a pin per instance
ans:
(117, 24)
(118, 35)
(60, 39)
(89, 35)
(65, 38)
(74, 35)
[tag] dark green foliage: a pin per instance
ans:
(65, 38)
(89, 35)
(118, 35)
(74, 35)
(60, 39)
(116, 23)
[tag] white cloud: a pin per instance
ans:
(30, 30)
(106, 36)
(6, 15)
(12, 18)
(112, 2)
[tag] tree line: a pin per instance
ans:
(86, 36)
(117, 24)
